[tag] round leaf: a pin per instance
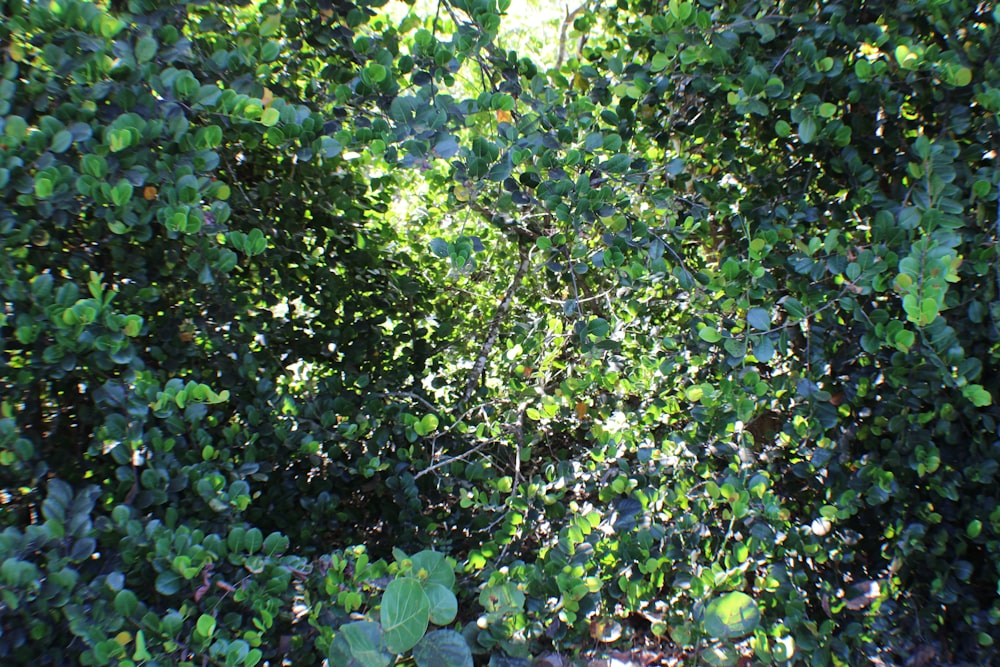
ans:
(168, 583)
(432, 567)
(405, 614)
(731, 616)
(443, 648)
(359, 644)
(444, 605)
(270, 117)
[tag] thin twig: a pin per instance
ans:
(412, 396)
(498, 317)
(450, 460)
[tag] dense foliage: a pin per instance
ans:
(694, 331)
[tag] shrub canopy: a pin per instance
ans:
(696, 327)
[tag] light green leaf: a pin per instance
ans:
(206, 625)
(731, 616)
(43, 187)
(709, 335)
(270, 25)
(978, 394)
(270, 117)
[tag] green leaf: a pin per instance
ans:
(206, 625)
(709, 335)
(405, 614)
(720, 656)
(426, 425)
(763, 348)
(359, 644)
(978, 395)
(61, 141)
(599, 327)
(759, 319)
(330, 147)
(110, 26)
(440, 247)
(906, 58)
(16, 128)
(444, 604)
(904, 340)
(94, 165)
(593, 141)
(963, 77)
(141, 652)
(807, 129)
(617, 163)
(794, 308)
(375, 72)
(731, 616)
(275, 544)
(826, 110)
(43, 187)
(145, 49)
(432, 567)
(981, 188)
(253, 540)
(270, 25)
(255, 242)
(168, 583)
(126, 602)
(505, 598)
(121, 194)
(443, 648)
(270, 117)
(502, 102)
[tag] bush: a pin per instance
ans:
(693, 333)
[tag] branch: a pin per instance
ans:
(494, 328)
(570, 15)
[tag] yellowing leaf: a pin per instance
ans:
(123, 638)
(266, 98)
(504, 116)
(461, 193)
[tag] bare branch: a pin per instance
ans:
(564, 29)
